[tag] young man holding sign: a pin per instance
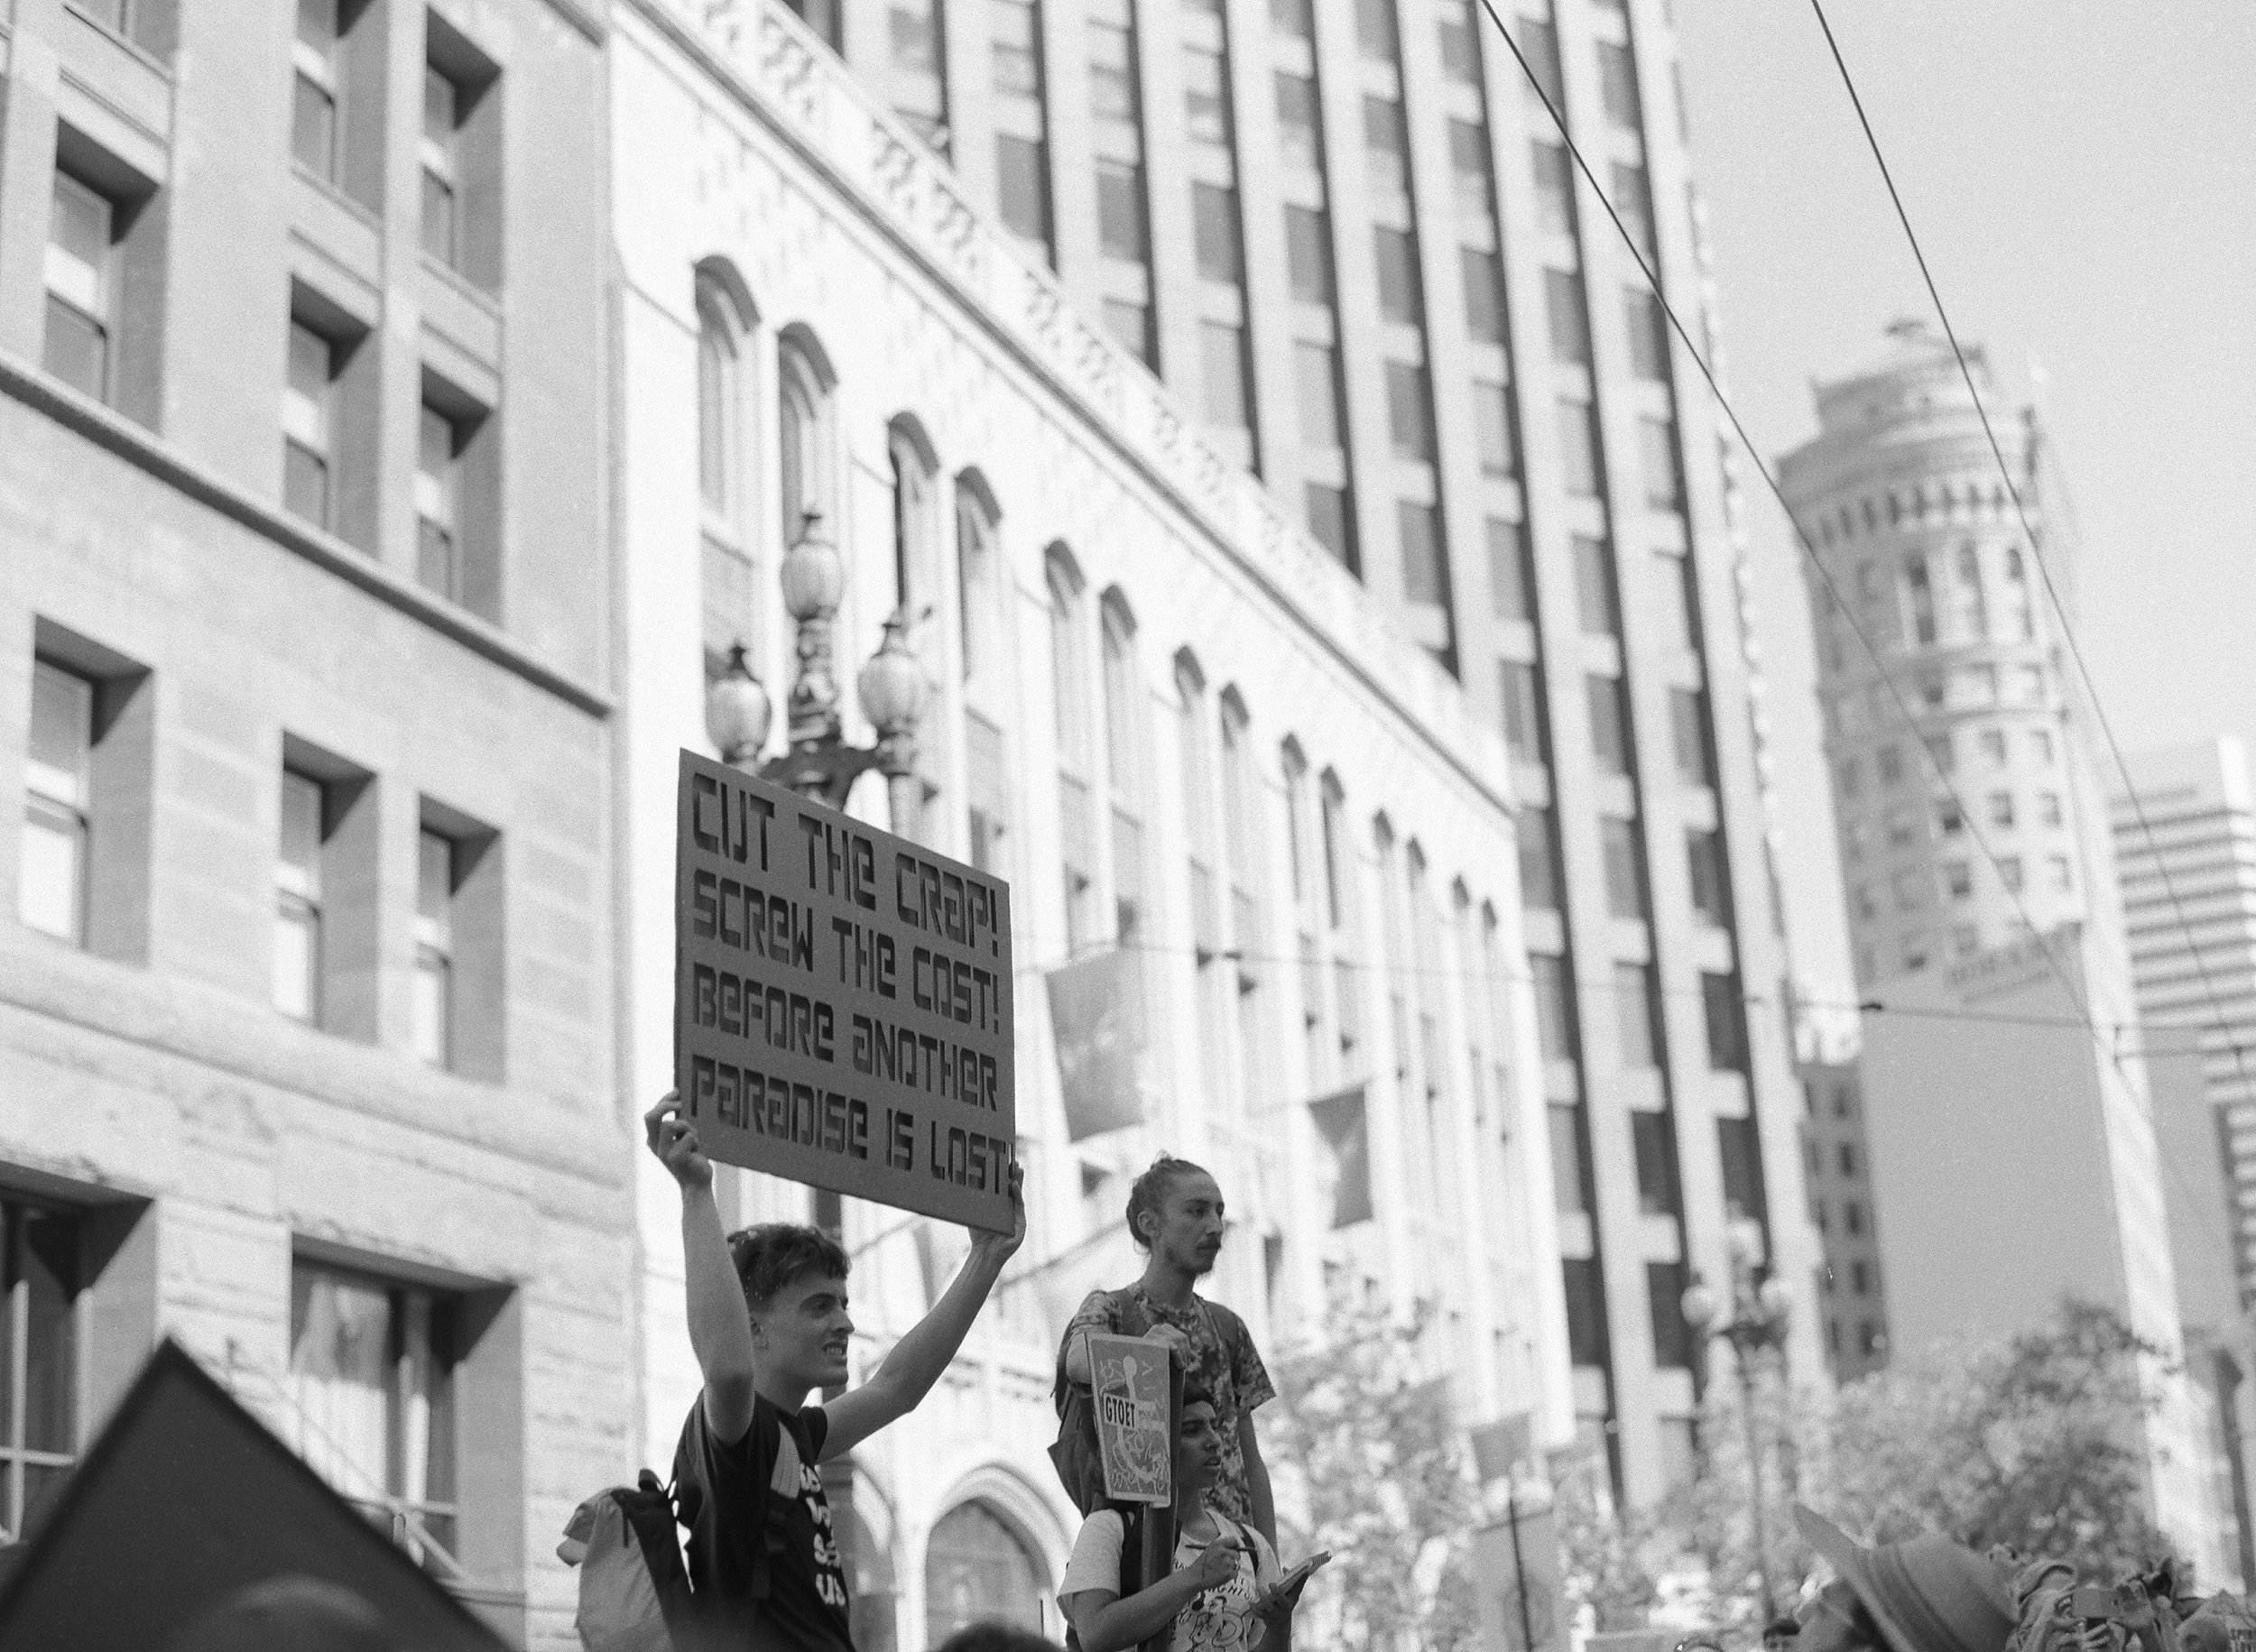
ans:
(768, 1322)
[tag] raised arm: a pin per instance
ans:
(906, 1375)
(720, 1327)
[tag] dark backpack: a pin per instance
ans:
(1080, 1465)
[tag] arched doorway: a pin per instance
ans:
(978, 1569)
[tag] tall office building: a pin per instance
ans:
(1350, 240)
(304, 736)
(2189, 897)
(1994, 944)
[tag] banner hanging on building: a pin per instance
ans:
(842, 1012)
(1096, 1018)
(1341, 1126)
(1130, 1383)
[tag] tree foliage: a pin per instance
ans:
(1368, 1458)
(2032, 1441)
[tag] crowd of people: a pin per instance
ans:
(769, 1323)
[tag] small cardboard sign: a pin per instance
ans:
(843, 1010)
(1129, 1384)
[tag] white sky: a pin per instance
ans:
(2082, 174)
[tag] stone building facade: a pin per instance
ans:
(305, 723)
(1182, 731)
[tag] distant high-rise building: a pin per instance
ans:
(2013, 1148)
(2189, 900)
(1837, 1165)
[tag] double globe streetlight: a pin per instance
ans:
(1760, 1309)
(818, 762)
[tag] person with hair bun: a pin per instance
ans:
(1176, 1216)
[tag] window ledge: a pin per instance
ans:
(331, 191)
(110, 429)
(155, 64)
(438, 269)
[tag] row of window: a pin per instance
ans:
(1637, 996)
(1926, 598)
(1943, 501)
(369, 1398)
(1902, 826)
(1912, 886)
(1889, 768)
(326, 931)
(1813, 1156)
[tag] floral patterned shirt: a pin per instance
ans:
(1223, 1361)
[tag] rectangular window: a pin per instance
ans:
(988, 785)
(1510, 570)
(1554, 187)
(1375, 30)
(1293, 19)
(1648, 335)
(298, 896)
(1206, 94)
(1017, 55)
(1597, 600)
(81, 279)
(1401, 297)
(308, 426)
(1316, 369)
(1609, 723)
(1460, 44)
(439, 504)
(918, 81)
(1579, 449)
(1021, 190)
(1332, 522)
(374, 1361)
(1222, 372)
(1309, 253)
(1410, 412)
(1726, 1019)
(1386, 145)
(433, 997)
(1741, 1154)
(1492, 427)
(1425, 575)
(1711, 889)
(1569, 1193)
(1214, 232)
(1634, 1002)
(1633, 200)
(1617, 85)
(40, 1280)
(1538, 861)
(443, 106)
(2002, 808)
(1471, 169)
(313, 54)
(1523, 713)
(1554, 1015)
(2009, 872)
(1538, 40)
(1483, 277)
(1570, 326)
(1664, 475)
(1299, 133)
(1585, 1312)
(1112, 69)
(1119, 220)
(1689, 731)
(58, 773)
(1625, 869)
(1130, 324)
(1665, 1285)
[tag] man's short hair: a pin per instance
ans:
(1197, 1394)
(775, 1254)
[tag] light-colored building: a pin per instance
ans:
(2189, 900)
(1837, 1167)
(2004, 1098)
(1184, 734)
(304, 736)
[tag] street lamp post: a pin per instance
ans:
(1760, 1310)
(820, 764)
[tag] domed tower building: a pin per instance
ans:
(2007, 1110)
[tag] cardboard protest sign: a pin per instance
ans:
(843, 1014)
(1130, 1380)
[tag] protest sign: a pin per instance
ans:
(1135, 1431)
(843, 1012)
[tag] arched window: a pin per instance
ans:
(979, 580)
(802, 433)
(1243, 846)
(1921, 596)
(723, 480)
(2022, 614)
(1123, 759)
(1211, 986)
(977, 1568)
(1296, 773)
(916, 538)
(1069, 693)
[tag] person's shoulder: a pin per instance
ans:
(1227, 1322)
(1102, 1528)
